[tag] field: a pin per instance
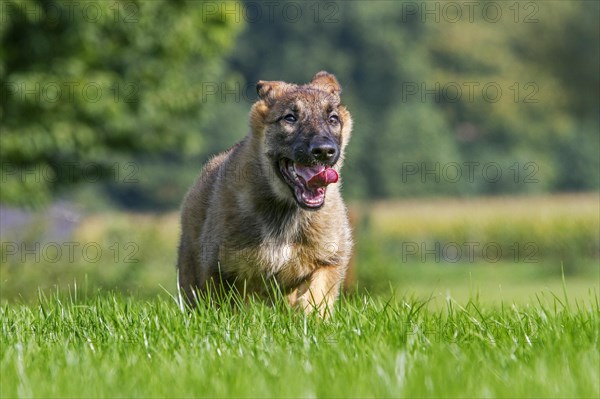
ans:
(115, 346)
(432, 313)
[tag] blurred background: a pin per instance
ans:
(473, 170)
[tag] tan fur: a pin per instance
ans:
(240, 223)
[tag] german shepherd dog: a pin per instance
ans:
(269, 209)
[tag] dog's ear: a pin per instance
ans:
(327, 81)
(270, 90)
(268, 93)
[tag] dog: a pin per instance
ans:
(269, 209)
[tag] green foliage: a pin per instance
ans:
(108, 345)
(420, 139)
(84, 81)
(518, 92)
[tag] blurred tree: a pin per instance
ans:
(516, 91)
(570, 54)
(538, 116)
(86, 83)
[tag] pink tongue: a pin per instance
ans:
(324, 178)
(316, 176)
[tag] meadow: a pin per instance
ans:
(114, 346)
(492, 297)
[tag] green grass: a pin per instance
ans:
(488, 283)
(112, 345)
(473, 328)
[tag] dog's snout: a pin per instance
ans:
(324, 150)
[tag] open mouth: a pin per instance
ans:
(308, 183)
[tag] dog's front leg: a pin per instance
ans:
(320, 291)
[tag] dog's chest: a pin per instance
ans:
(287, 262)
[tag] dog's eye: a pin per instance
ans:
(290, 118)
(334, 119)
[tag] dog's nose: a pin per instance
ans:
(324, 151)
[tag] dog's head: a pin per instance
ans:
(303, 131)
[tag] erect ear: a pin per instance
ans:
(270, 90)
(326, 81)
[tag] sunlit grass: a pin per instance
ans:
(110, 345)
(430, 327)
